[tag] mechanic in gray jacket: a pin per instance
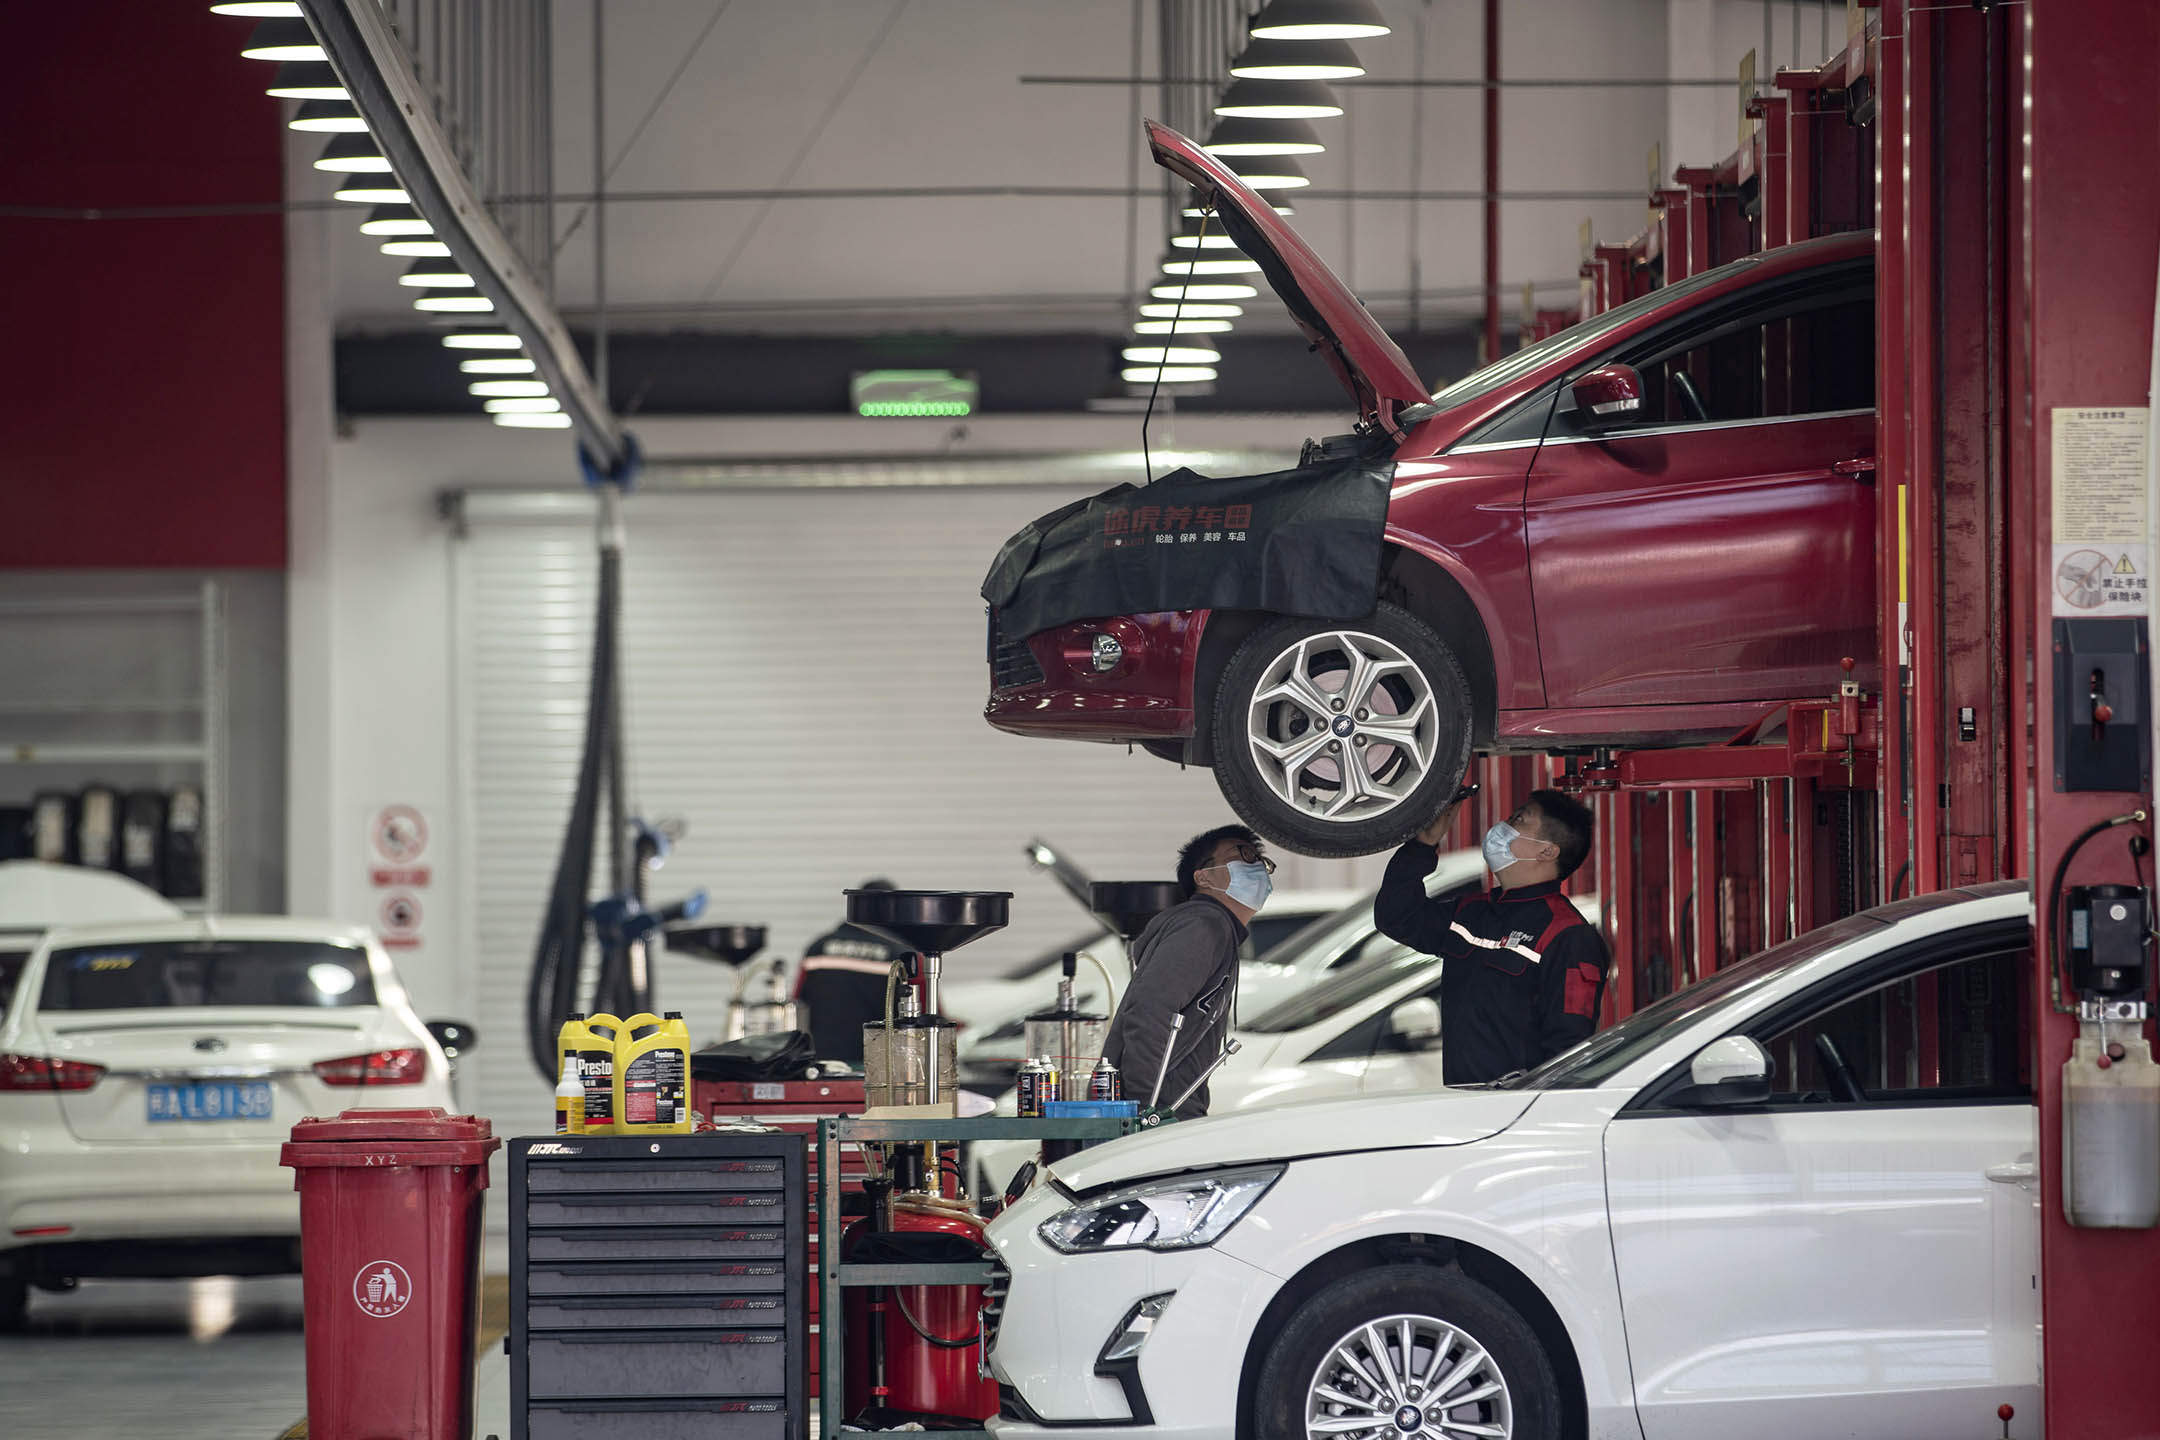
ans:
(1186, 963)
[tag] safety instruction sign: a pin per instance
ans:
(2101, 550)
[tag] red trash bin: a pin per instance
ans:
(390, 1204)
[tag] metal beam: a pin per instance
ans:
(372, 63)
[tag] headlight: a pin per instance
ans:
(1176, 1214)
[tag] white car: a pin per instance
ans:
(1795, 1199)
(150, 1071)
(1278, 965)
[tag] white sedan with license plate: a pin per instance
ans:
(1795, 1199)
(149, 1073)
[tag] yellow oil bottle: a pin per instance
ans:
(591, 1040)
(652, 1076)
(569, 1099)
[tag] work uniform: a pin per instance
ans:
(1184, 963)
(842, 984)
(1524, 976)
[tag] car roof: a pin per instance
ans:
(210, 927)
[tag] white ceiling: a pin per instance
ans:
(939, 101)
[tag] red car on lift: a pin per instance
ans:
(1650, 528)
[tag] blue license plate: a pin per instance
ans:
(211, 1100)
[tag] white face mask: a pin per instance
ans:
(1500, 846)
(1250, 884)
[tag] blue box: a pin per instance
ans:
(1090, 1109)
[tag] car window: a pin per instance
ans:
(1269, 931)
(1338, 993)
(1608, 1052)
(11, 968)
(1944, 1034)
(1368, 947)
(1810, 361)
(170, 973)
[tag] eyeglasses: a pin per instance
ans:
(1252, 856)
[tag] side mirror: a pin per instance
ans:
(1727, 1072)
(1607, 393)
(1415, 1023)
(455, 1037)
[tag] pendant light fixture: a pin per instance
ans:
(308, 80)
(1297, 60)
(523, 405)
(1202, 290)
(436, 275)
(497, 365)
(281, 38)
(1202, 240)
(1318, 20)
(1194, 212)
(372, 190)
(261, 9)
(489, 389)
(335, 117)
(476, 338)
(1161, 310)
(1166, 374)
(1279, 100)
(1241, 135)
(422, 249)
(545, 420)
(1206, 264)
(1198, 353)
(395, 220)
(1267, 172)
(436, 302)
(354, 155)
(1186, 326)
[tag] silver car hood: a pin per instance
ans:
(1293, 1132)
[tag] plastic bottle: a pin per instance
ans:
(570, 1099)
(592, 1038)
(652, 1076)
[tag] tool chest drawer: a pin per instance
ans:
(637, 1312)
(652, 1278)
(659, 1287)
(659, 1420)
(720, 1243)
(637, 1176)
(672, 1207)
(659, 1363)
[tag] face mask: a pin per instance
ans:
(1499, 846)
(1249, 884)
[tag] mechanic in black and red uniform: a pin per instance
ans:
(1524, 977)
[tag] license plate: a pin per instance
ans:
(211, 1100)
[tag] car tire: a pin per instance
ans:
(1487, 1355)
(1284, 717)
(14, 1303)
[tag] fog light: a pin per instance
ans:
(1109, 654)
(1139, 1324)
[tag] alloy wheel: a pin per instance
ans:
(1408, 1377)
(1342, 725)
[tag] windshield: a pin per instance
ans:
(1583, 335)
(1338, 993)
(167, 973)
(1608, 1052)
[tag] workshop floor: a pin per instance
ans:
(218, 1359)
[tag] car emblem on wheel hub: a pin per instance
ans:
(1342, 725)
(1409, 1419)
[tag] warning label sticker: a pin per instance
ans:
(2101, 550)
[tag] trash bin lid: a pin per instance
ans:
(375, 1126)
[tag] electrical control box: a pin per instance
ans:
(2103, 724)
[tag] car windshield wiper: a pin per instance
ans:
(1504, 1082)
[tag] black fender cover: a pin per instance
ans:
(1305, 541)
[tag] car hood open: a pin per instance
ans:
(1372, 367)
(1293, 1132)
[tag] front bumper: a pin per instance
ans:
(1061, 1310)
(143, 1191)
(1046, 684)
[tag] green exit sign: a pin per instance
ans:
(912, 392)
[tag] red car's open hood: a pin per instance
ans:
(1373, 368)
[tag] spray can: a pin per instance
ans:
(1038, 1082)
(570, 1098)
(652, 1076)
(591, 1039)
(1106, 1083)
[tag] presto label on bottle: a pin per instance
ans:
(596, 1068)
(653, 1088)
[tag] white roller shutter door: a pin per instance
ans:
(805, 679)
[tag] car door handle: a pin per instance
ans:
(1860, 467)
(2017, 1172)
